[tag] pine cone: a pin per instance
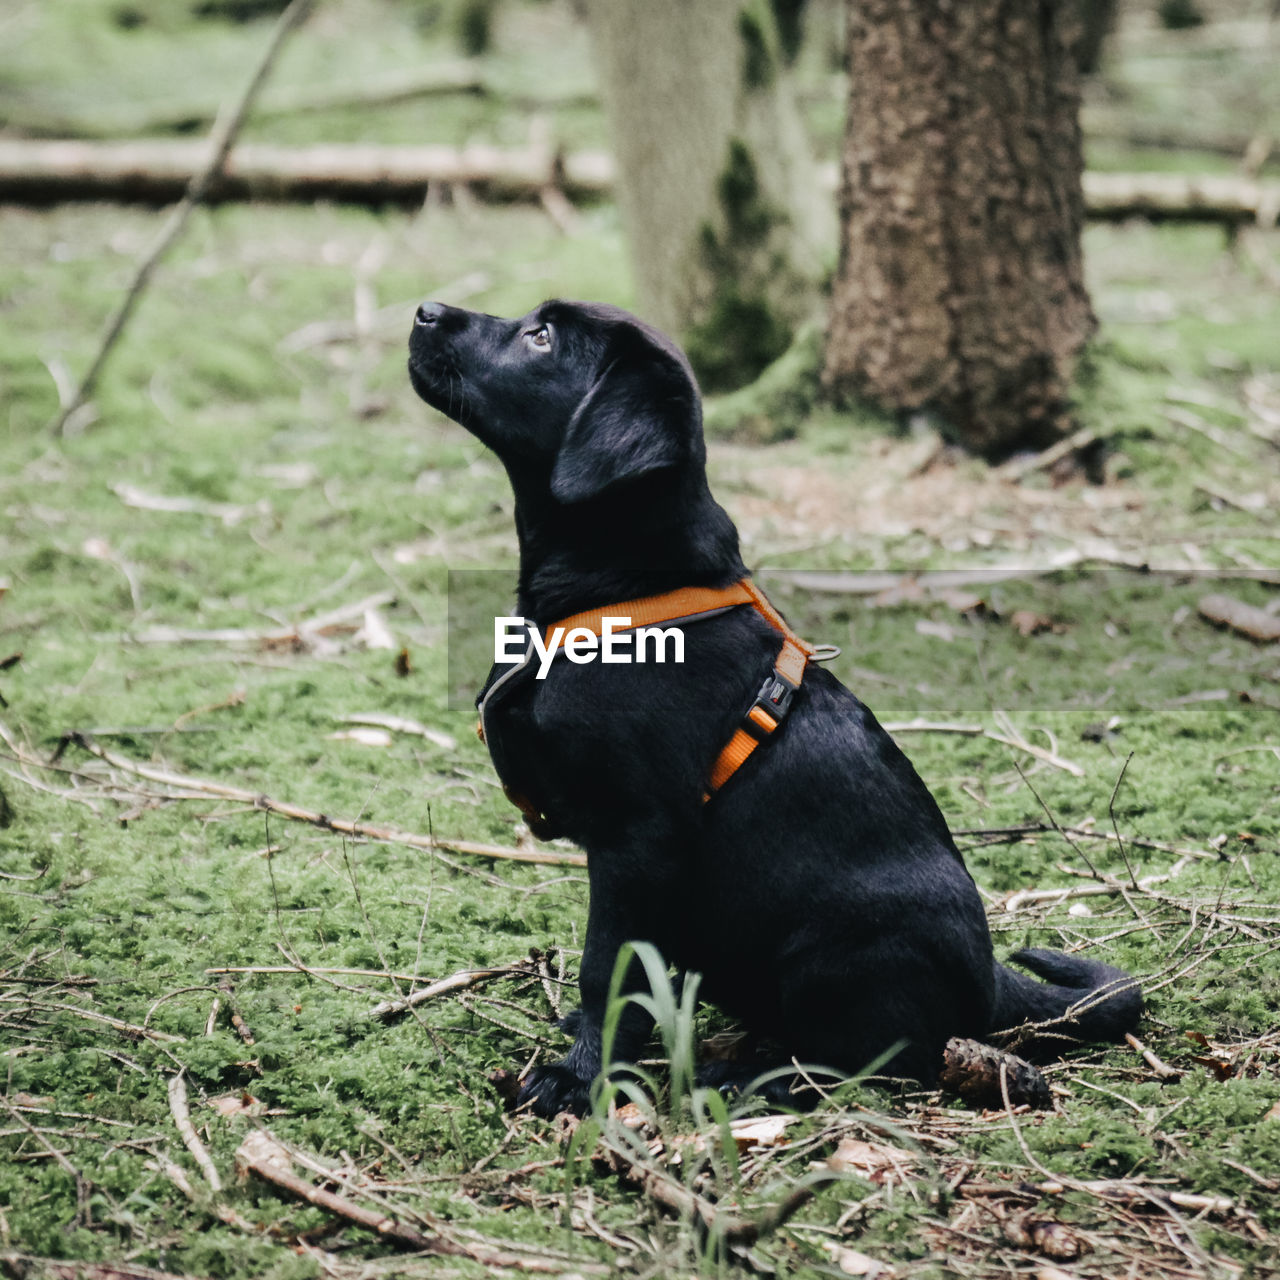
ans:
(972, 1070)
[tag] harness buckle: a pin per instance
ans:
(769, 709)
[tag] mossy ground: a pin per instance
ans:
(345, 486)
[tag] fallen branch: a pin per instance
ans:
(341, 826)
(197, 188)
(186, 1131)
(270, 1160)
(1135, 1193)
(1245, 619)
(157, 171)
(674, 1196)
(262, 1155)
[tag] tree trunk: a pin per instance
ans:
(726, 222)
(960, 287)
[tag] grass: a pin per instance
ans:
(315, 479)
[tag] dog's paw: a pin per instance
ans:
(549, 1090)
(736, 1079)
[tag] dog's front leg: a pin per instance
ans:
(617, 915)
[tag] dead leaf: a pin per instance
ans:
(1054, 1273)
(1026, 622)
(1274, 1113)
(760, 1131)
(403, 664)
(97, 549)
(853, 1263)
(630, 1116)
(228, 1105)
(374, 632)
(963, 601)
(875, 1161)
(938, 630)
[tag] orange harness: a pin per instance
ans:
(687, 604)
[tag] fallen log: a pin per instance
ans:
(157, 172)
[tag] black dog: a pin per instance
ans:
(819, 893)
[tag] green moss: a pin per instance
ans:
(758, 69)
(779, 401)
(744, 330)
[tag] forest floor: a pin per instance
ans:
(242, 556)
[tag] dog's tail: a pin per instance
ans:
(1078, 1000)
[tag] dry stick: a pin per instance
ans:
(671, 1194)
(1019, 468)
(178, 1176)
(221, 140)
(1115, 826)
(341, 826)
(977, 731)
(1082, 833)
(186, 1130)
(1161, 1068)
(459, 981)
(22, 1266)
(260, 1154)
(1049, 814)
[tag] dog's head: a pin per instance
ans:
(583, 390)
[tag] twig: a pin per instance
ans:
(1048, 813)
(459, 981)
(241, 1026)
(665, 1190)
(347, 616)
(1018, 468)
(977, 731)
(186, 1130)
(261, 1154)
(1161, 1068)
(1115, 826)
(221, 139)
(23, 1266)
(341, 826)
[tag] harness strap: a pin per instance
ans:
(683, 604)
(688, 604)
(772, 702)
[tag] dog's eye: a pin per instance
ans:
(539, 337)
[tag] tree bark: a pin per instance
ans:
(960, 287)
(715, 184)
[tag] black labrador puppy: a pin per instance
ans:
(819, 893)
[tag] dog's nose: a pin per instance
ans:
(430, 313)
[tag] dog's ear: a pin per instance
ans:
(640, 416)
